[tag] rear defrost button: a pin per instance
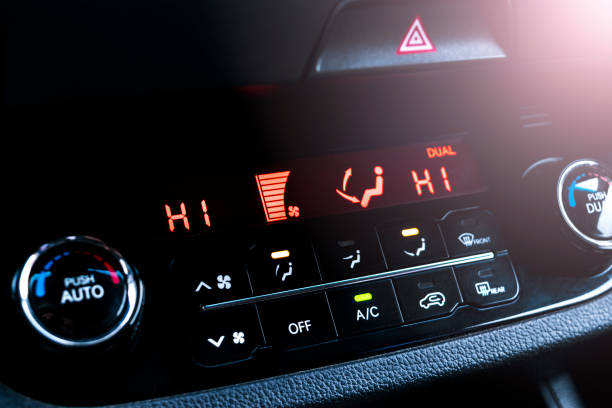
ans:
(488, 283)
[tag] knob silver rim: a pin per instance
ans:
(134, 294)
(598, 243)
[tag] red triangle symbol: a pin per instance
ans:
(416, 40)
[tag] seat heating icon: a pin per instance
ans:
(272, 192)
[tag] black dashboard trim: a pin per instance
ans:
(399, 370)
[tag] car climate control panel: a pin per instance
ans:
(295, 291)
(386, 255)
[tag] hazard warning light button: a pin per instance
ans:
(366, 35)
(416, 39)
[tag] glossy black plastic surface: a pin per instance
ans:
(130, 226)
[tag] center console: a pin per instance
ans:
(213, 261)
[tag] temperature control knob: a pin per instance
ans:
(78, 292)
(584, 195)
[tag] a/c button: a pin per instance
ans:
(297, 321)
(366, 307)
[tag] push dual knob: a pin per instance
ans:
(584, 195)
(79, 292)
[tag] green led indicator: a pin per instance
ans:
(363, 297)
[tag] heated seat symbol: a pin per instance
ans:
(368, 193)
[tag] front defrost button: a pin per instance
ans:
(469, 232)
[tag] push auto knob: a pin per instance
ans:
(79, 292)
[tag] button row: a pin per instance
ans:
(233, 334)
(282, 264)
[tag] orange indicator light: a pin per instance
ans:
(410, 232)
(280, 254)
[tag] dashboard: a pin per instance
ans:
(306, 203)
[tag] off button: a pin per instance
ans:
(298, 321)
(366, 307)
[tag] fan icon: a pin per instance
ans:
(294, 211)
(224, 281)
(238, 337)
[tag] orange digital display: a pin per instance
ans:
(363, 180)
(272, 192)
(181, 219)
(333, 184)
(440, 151)
(172, 218)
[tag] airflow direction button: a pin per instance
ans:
(411, 243)
(280, 264)
(348, 254)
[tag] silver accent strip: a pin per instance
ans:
(539, 163)
(134, 293)
(599, 243)
(389, 274)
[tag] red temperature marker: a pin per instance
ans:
(272, 192)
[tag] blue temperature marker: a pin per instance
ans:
(570, 196)
(39, 279)
(590, 186)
